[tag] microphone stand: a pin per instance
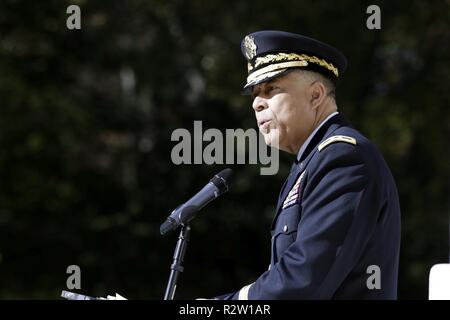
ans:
(178, 258)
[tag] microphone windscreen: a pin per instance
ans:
(223, 179)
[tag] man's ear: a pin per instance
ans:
(317, 93)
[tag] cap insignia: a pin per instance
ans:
(250, 47)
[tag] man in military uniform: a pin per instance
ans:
(338, 217)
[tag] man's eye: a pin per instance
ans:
(271, 88)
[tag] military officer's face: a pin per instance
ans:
(285, 111)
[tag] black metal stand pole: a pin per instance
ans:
(178, 258)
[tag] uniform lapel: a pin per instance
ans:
(295, 170)
(299, 165)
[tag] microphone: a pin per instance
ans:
(217, 186)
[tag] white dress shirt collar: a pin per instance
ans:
(305, 144)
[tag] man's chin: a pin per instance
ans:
(267, 138)
(271, 140)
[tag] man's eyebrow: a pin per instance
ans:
(275, 81)
(257, 88)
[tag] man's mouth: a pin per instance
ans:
(264, 124)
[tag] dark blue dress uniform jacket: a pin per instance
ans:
(338, 214)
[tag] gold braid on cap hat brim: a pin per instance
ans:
(265, 72)
(280, 57)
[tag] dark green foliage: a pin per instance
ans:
(86, 119)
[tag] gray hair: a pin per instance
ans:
(315, 76)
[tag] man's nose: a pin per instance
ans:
(259, 104)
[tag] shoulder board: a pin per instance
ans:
(334, 139)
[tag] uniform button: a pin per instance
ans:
(301, 165)
(285, 228)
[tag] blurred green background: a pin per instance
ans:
(86, 118)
